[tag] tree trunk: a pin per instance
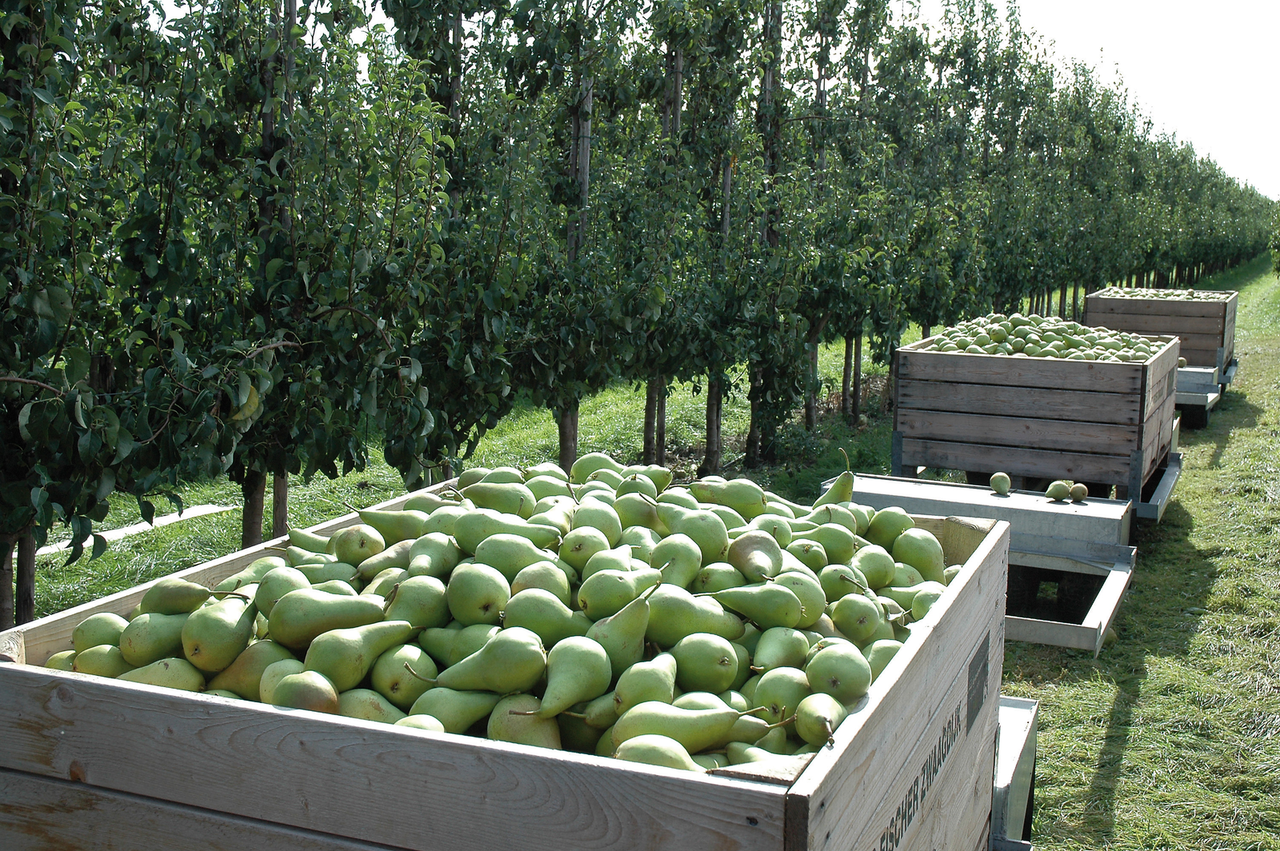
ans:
(652, 395)
(751, 452)
(254, 491)
(660, 430)
(567, 424)
(711, 458)
(279, 505)
(811, 397)
(1062, 301)
(846, 376)
(25, 574)
(855, 412)
(7, 606)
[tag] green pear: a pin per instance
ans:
(593, 489)
(397, 556)
(656, 749)
(171, 672)
(766, 604)
(544, 613)
(275, 584)
(327, 572)
(587, 464)
(605, 592)
(675, 613)
(546, 575)
(356, 542)
(634, 482)
(695, 729)
(367, 705)
(471, 476)
(173, 595)
(880, 653)
(926, 595)
(345, 656)
(887, 524)
(810, 553)
(678, 495)
(477, 593)
(152, 636)
(295, 556)
(660, 476)
(556, 512)
(834, 513)
(509, 553)
(580, 544)
(477, 524)
(400, 674)
(468, 640)
(808, 590)
(839, 670)
(513, 660)
(433, 554)
(444, 520)
(457, 711)
(63, 660)
(876, 565)
(341, 587)
(308, 540)
(622, 634)
(299, 616)
(420, 600)
(742, 495)
(395, 524)
(642, 542)
(716, 576)
(614, 558)
(544, 486)
(518, 718)
(575, 733)
(547, 468)
(504, 474)
(703, 526)
(637, 509)
(103, 660)
(837, 580)
(214, 635)
(730, 518)
(705, 662)
(98, 628)
(273, 673)
(243, 677)
(836, 540)
(651, 680)
(779, 647)
(840, 490)
(428, 502)
(578, 669)
(505, 497)
(921, 549)
(439, 641)
(905, 575)
(776, 526)
(602, 516)
(383, 583)
(857, 616)
(251, 574)
(679, 558)
(422, 722)
(306, 690)
(779, 692)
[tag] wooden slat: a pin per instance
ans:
(1066, 435)
(41, 814)
(1046, 403)
(923, 780)
(1016, 461)
(1161, 322)
(1045, 373)
(1204, 357)
(1098, 303)
(338, 776)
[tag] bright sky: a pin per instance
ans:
(1206, 73)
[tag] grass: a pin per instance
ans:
(1170, 739)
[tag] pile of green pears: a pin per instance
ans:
(604, 611)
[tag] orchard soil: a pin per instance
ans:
(1170, 739)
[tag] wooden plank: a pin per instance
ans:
(1045, 373)
(1147, 323)
(1017, 461)
(1046, 403)
(1207, 356)
(1101, 302)
(1066, 435)
(42, 814)
(923, 780)
(321, 772)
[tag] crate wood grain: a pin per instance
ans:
(1098, 422)
(117, 753)
(1206, 327)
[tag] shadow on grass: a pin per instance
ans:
(1233, 413)
(1171, 584)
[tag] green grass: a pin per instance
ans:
(1170, 739)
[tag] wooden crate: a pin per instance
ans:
(1046, 539)
(1206, 327)
(1107, 424)
(90, 762)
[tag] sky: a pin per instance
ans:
(1205, 73)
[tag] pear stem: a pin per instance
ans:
(416, 675)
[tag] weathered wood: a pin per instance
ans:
(1101, 438)
(1205, 326)
(1044, 373)
(1016, 461)
(1049, 404)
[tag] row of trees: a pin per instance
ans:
(243, 243)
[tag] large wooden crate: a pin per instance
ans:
(1104, 423)
(1206, 325)
(87, 762)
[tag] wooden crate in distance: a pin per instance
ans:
(1206, 326)
(1102, 423)
(88, 762)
